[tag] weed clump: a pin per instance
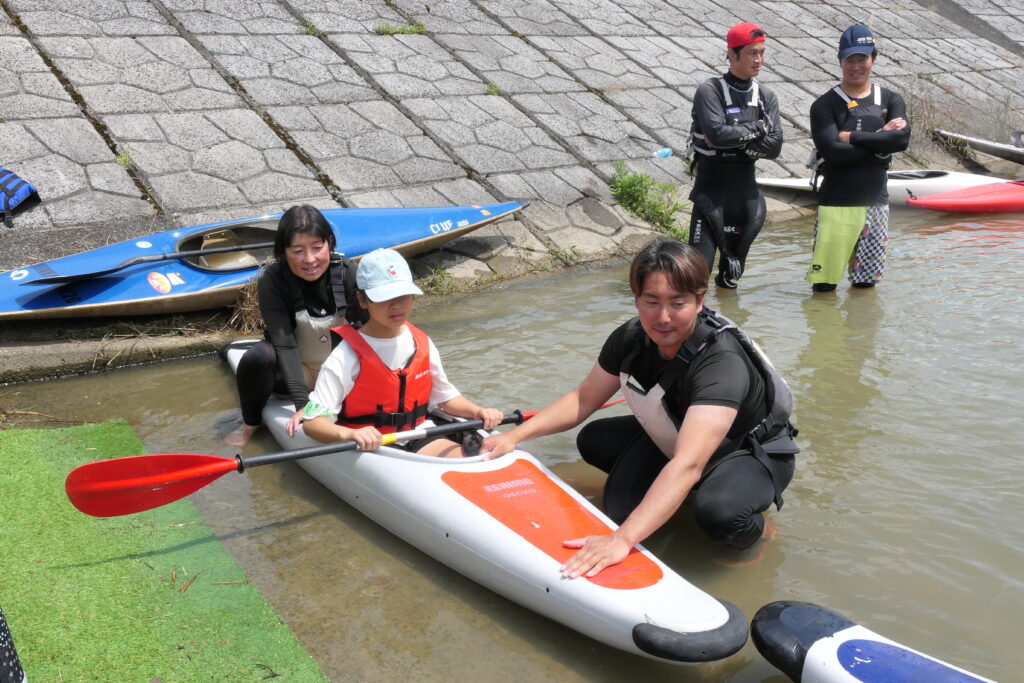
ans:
(386, 28)
(643, 196)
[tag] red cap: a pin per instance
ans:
(743, 34)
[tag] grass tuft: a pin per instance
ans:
(439, 282)
(386, 28)
(643, 196)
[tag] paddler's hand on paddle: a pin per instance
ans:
(368, 438)
(294, 422)
(492, 417)
(596, 553)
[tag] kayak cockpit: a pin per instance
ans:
(257, 232)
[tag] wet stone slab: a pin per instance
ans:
(28, 89)
(410, 65)
(533, 17)
(95, 18)
(511, 63)
(214, 158)
(598, 131)
(234, 17)
(596, 63)
(146, 74)
(489, 134)
(366, 145)
(285, 70)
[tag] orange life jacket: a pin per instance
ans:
(390, 400)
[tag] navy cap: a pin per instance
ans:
(856, 40)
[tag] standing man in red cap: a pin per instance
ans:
(735, 123)
(856, 126)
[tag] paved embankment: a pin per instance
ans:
(132, 116)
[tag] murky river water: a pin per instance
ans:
(905, 513)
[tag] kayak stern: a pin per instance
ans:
(703, 646)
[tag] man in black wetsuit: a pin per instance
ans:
(735, 123)
(709, 416)
(856, 126)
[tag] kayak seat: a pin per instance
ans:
(226, 261)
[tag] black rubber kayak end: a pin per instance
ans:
(702, 646)
(785, 630)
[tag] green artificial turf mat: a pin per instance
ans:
(146, 597)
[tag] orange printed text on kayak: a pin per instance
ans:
(528, 502)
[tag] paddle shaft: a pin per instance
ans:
(149, 258)
(343, 446)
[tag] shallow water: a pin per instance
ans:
(903, 513)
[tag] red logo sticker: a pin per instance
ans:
(158, 282)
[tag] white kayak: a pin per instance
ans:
(812, 644)
(1002, 150)
(902, 184)
(501, 523)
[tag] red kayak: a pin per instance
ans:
(994, 198)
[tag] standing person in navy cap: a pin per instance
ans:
(856, 126)
(735, 123)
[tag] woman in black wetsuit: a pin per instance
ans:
(306, 291)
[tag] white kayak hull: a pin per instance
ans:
(1001, 150)
(494, 521)
(812, 644)
(902, 184)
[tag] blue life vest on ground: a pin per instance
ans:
(13, 191)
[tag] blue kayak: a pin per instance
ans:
(809, 643)
(216, 260)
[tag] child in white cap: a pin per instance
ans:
(385, 376)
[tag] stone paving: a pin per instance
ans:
(138, 115)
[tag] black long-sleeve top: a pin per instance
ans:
(741, 144)
(855, 172)
(281, 294)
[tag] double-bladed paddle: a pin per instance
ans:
(123, 486)
(149, 258)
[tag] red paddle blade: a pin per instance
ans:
(122, 486)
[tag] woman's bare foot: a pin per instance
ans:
(240, 436)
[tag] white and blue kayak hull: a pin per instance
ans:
(200, 282)
(812, 644)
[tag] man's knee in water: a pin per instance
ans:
(593, 449)
(822, 287)
(737, 529)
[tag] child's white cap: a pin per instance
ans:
(384, 275)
